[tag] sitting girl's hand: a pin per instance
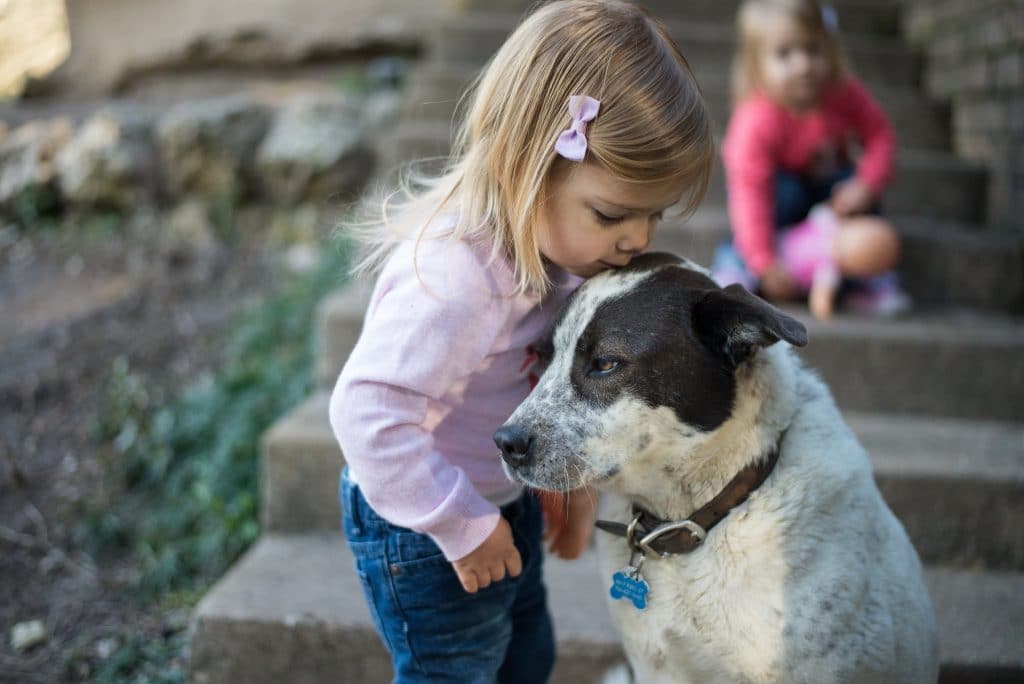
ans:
(488, 562)
(852, 196)
(570, 521)
(778, 283)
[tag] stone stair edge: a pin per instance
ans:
(288, 582)
(982, 327)
(307, 424)
(917, 461)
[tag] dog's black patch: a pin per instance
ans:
(661, 360)
(677, 338)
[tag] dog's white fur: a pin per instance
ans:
(811, 580)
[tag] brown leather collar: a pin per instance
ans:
(648, 533)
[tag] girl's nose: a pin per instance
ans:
(637, 237)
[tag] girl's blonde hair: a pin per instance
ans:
(756, 17)
(653, 126)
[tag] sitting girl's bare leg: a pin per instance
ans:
(822, 297)
(864, 246)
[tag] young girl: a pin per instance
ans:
(583, 129)
(786, 150)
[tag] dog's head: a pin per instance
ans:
(640, 360)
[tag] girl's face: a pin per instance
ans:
(594, 221)
(793, 65)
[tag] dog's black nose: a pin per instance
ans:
(515, 443)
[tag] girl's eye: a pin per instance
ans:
(604, 218)
(602, 366)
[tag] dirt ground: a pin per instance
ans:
(71, 302)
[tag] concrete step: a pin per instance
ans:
(945, 264)
(955, 363)
(875, 17)
(434, 90)
(958, 486)
(962, 364)
(292, 610)
(929, 184)
(471, 39)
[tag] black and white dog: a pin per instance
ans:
(746, 507)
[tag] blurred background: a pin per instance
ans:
(175, 305)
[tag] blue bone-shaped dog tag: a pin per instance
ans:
(631, 585)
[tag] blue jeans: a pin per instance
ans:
(433, 629)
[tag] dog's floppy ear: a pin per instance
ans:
(735, 323)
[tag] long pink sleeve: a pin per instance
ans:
(750, 160)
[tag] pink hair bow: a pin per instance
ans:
(572, 143)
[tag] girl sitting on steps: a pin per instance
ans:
(786, 151)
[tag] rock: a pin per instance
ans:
(34, 40)
(109, 162)
(107, 647)
(206, 148)
(157, 35)
(301, 259)
(25, 635)
(315, 149)
(380, 112)
(27, 157)
(189, 227)
(291, 226)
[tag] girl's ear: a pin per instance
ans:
(734, 323)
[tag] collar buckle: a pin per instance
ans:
(696, 531)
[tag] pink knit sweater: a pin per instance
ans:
(441, 363)
(764, 137)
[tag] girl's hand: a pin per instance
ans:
(569, 521)
(852, 196)
(777, 283)
(489, 562)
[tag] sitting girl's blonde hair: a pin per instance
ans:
(756, 17)
(653, 127)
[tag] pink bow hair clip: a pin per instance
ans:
(572, 142)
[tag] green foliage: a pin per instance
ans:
(144, 661)
(36, 206)
(182, 471)
(101, 225)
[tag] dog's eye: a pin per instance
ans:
(602, 366)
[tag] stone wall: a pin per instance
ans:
(975, 59)
(112, 41)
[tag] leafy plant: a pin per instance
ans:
(182, 496)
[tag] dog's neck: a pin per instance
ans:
(764, 407)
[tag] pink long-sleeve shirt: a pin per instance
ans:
(441, 363)
(763, 137)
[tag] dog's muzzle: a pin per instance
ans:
(516, 445)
